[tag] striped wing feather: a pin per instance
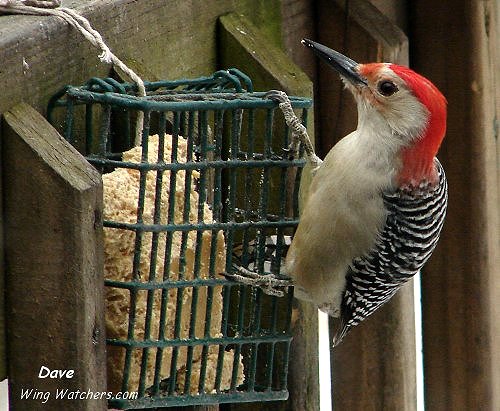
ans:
(414, 222)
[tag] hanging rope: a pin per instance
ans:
(52, 8)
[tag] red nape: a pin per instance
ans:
(418, 159)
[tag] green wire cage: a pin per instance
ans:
(210, 187)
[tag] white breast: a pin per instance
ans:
(341, 218)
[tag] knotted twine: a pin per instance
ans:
(52, 8)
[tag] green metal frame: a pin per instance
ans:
(246, 160)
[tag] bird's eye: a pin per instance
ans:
(387, 88)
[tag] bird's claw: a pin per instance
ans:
(293, 149)
(281, 97)
(270, 284)
(277, 95)
(299, 131)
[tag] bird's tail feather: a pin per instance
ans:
(342, 330)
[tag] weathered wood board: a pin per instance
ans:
(456, 44)
(53, 260)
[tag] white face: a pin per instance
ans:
(387, 99)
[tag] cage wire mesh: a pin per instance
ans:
(211, 186)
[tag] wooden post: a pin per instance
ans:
(53, 259)
(456, 45)
(374, 367)
(243, 46)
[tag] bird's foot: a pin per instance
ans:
(299, 132)
(270, 284)
(277, 95)
(292, 150)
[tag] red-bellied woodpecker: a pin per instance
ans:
(376, 205)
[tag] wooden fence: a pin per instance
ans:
(454, 43)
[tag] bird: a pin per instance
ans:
(377, 202)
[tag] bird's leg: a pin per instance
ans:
(299, 132)
(268, 283)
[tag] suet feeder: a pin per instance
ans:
(210, 187)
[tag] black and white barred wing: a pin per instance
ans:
(414, 222)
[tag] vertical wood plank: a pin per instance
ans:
(374, 367)
(243, 46)
(53, 258)
(394, 10)
(3, 337)
(364, 34)
(461, 285)
(298, 21)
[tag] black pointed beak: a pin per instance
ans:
(345, 66)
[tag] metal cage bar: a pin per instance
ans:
(235, 161)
